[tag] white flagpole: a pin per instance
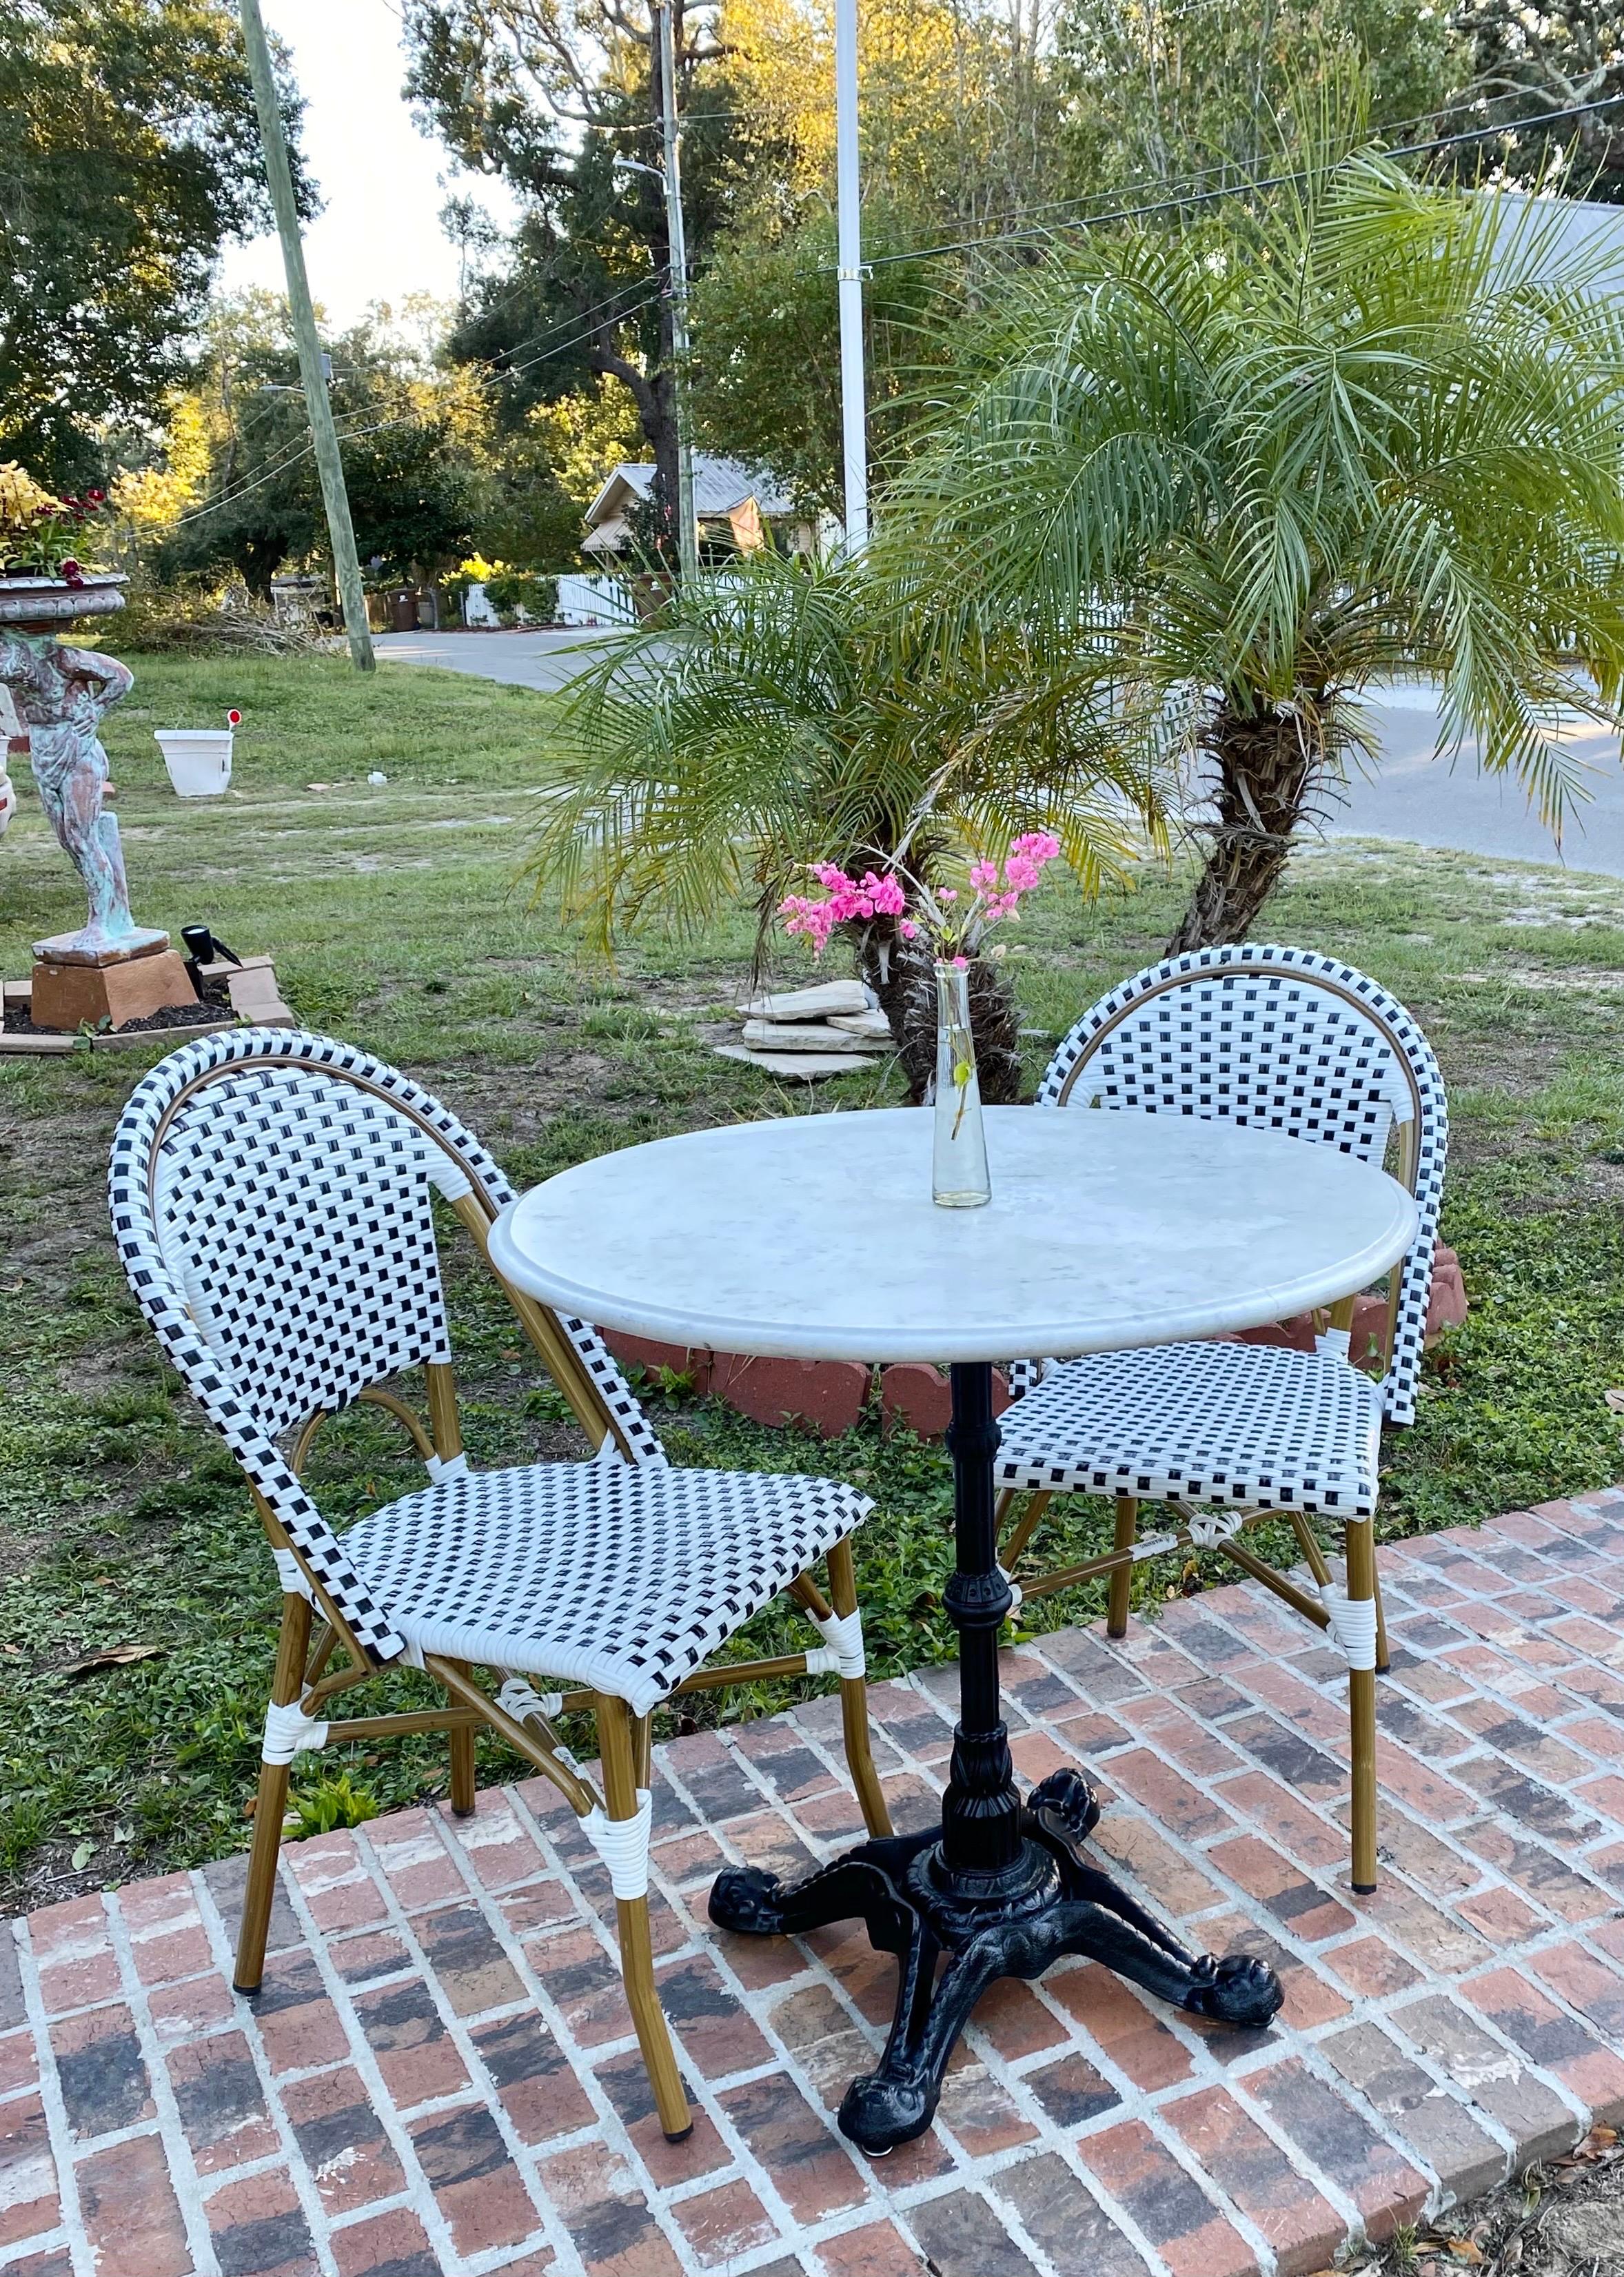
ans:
(854, 416)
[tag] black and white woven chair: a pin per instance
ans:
(1230, 1434)
(272, 1201)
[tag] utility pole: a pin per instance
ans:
(324, 435)
(688, 534)
(853, 408)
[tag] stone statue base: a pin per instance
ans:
(76, 984)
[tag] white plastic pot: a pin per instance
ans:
(199, 759)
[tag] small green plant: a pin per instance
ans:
(331, 1803)
(22, 1830)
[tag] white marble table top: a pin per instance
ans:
(815, 1237)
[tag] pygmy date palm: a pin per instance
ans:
(1357, 429)
(786, 715)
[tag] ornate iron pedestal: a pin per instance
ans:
(1003, 1888)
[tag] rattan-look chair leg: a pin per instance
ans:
(462, 1788)
(1360, 1544)
(854, 1703)
(1383, 1657)
(620, 1779)
(1121, 1593)
(286, 1685)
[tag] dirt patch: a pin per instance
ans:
(1561, 980)
(1562, 2220)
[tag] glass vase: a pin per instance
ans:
(959, 1179)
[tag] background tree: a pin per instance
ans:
(549, 95)
(828, 714)
(1363, 429)
(960, 120)
(767, 346)
(1523, 61)
(413, 489)
(130, 155)
(1196, 95)
(961, 105)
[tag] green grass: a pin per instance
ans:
(398, 917)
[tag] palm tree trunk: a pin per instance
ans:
(904, 981)
(1267, 761)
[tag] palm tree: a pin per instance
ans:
(790, 714)
(1361, 429)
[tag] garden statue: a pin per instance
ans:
(62, 693)
(112, 970)
(12, 739)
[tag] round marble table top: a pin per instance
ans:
(815, 1237)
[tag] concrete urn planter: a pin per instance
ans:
(40, 604)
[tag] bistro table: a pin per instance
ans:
(815, 1237)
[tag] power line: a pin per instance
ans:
(1206, 197)
(280, 467)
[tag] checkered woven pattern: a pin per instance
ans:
(1246, 1424)
(271, 1198)
(1277, 1038)
(619, 1577)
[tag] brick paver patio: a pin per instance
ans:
(439, 2075)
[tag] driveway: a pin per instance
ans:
(1413, 795)
(524, 659)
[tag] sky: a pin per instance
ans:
(382, 182)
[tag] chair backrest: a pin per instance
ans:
(271, 1197)
(1280, 1039)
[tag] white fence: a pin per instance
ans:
(595, 600)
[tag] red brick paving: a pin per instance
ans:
(439, 2079)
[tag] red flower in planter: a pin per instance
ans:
(73, 573)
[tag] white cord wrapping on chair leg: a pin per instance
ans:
(519, 1699)
(1014, 1588)
(1333, 1343)
(1208, 1529)
(441, 1467)
(841, 1653)
(623, 1845)
(1352, 1624)
(289, 1732)
(291, 1574)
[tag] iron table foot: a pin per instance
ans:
(1050, 1901)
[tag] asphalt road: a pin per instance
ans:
(525, 660)
(1411, 796)
(1415, 796)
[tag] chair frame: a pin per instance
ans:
(1361, 1581)
(302, 1685)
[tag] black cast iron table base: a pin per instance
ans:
(1002, 1887)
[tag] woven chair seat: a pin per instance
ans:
(618, 1576)
(1246, 1424)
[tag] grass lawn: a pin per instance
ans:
(396, 919)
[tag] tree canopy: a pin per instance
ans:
(556, 96)
(130, 155)
(1523, 62)
(255, 501)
